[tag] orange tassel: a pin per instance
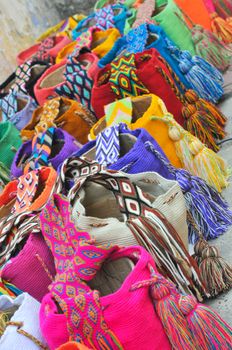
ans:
(221, 28)
(203, 120)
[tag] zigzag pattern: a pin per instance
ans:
(119, 112)
(124, 80)
(108, 146)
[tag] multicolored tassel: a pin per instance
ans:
(196, 157)
(207, 327)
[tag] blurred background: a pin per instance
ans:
(22, 21)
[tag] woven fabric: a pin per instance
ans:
(149, 227)
(43, 50)
(47, 116)
(77, 85)
(119, 112)
(35, 261)
(105, 18)
(17, 225)
(8, 105)
(41, 149)
(26, 189)
(108, 146)
(22, 76)
(77, 260)
(144, 13)
(123, 79)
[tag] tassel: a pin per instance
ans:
(207, 327)
(202, 77)
(204, 112)
(171, 257)
(223, 8)
(201, 104)
(209, 69)
(209, 166)
(216, 273)
(174, 323)
(221, 28)
(195, 157)
(208, 46)
(197, 123)
(206, 206)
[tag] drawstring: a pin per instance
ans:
(28, 335)
(44, 267)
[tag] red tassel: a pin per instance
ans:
(207, 327)
(203, 120)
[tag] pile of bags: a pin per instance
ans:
(109, 175)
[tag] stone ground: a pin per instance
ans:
(223, 303)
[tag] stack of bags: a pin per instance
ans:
(109, 174)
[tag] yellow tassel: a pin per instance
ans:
(195, 156)
(208, 165)
(221, 28)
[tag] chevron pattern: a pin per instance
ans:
(108, 146)
(119, 112)
(26, 190)
(41, 149)
(124, 80)
(77, 85)
(105, 18)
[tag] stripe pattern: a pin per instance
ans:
(41, 149)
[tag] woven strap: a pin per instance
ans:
(123, 80)
(41, 150)
(77, 85)
(26, 189)
(9, 106)
(108, 146)
(22, 76)
(42, 53)
(105, 18)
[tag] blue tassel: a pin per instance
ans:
(210, 212)
(207, 207)
(209, 69)
(200, 76)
